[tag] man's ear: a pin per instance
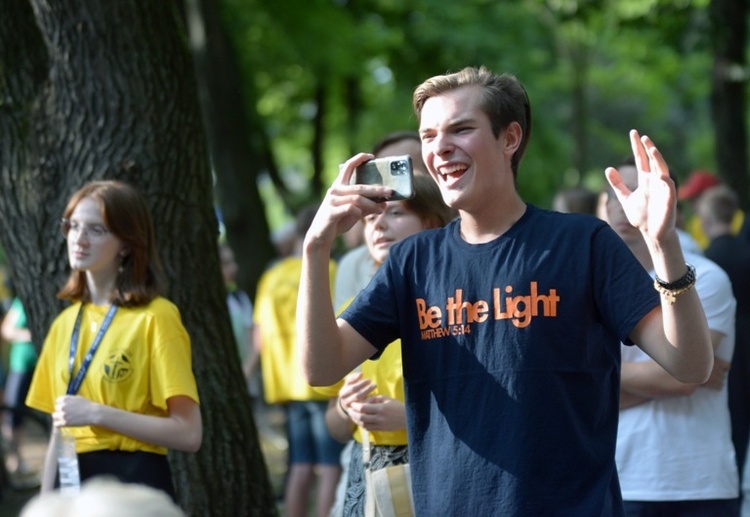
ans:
(512, 137)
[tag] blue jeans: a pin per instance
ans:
(309, 439)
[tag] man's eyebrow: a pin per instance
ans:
(452, 124)
(461, 121)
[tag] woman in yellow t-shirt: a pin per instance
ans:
(372, 400)
(115, 370)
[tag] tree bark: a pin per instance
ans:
(29, 193)
(107, 90)
(236, 140)
(728, 105)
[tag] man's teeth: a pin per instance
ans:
(452, 169)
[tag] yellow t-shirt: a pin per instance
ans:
(274, 311)
(143, 360)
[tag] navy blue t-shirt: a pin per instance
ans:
(511, 362)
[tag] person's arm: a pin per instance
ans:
(331, 348)
(181, 430)
(338, 422)
(649, 380)
(9, 330)
(628, 400)
(675, 334)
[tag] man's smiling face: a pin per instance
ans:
(460, 151)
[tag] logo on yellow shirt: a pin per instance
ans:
(117, 368)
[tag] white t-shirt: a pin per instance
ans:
(688, 243)
(680, 448)
(355, 270)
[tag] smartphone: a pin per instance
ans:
(391, 171)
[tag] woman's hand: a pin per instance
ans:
(373, 412)
(355, 389)
(73, 411)
(379, 413)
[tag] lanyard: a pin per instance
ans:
(75, 383)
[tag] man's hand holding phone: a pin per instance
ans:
(344, 204)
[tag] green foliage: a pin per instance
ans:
(634, 63)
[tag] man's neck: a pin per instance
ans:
(490, 223)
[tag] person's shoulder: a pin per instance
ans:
(160, 307)
(160, 302)
(69, 311)
(564, 217)
(426, 238)
(438, 233)
(66, 316)
(559, 222)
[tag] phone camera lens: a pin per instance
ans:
(398, 167)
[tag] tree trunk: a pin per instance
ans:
(29, 190)
(728, 106)
(95, 90)
(239, 151)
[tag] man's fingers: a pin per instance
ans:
(368, 198)
(639, 151)
(615, 181)
(657, 160)
(346, 169)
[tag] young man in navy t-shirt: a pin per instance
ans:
(510, 317)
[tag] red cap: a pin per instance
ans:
(696, 183)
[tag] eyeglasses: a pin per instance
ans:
(92, 231)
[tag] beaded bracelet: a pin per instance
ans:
(671, 290)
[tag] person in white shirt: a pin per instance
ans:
(674, 451)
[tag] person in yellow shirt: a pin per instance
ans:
(115, 371)
(312, 451)
(372, 399)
